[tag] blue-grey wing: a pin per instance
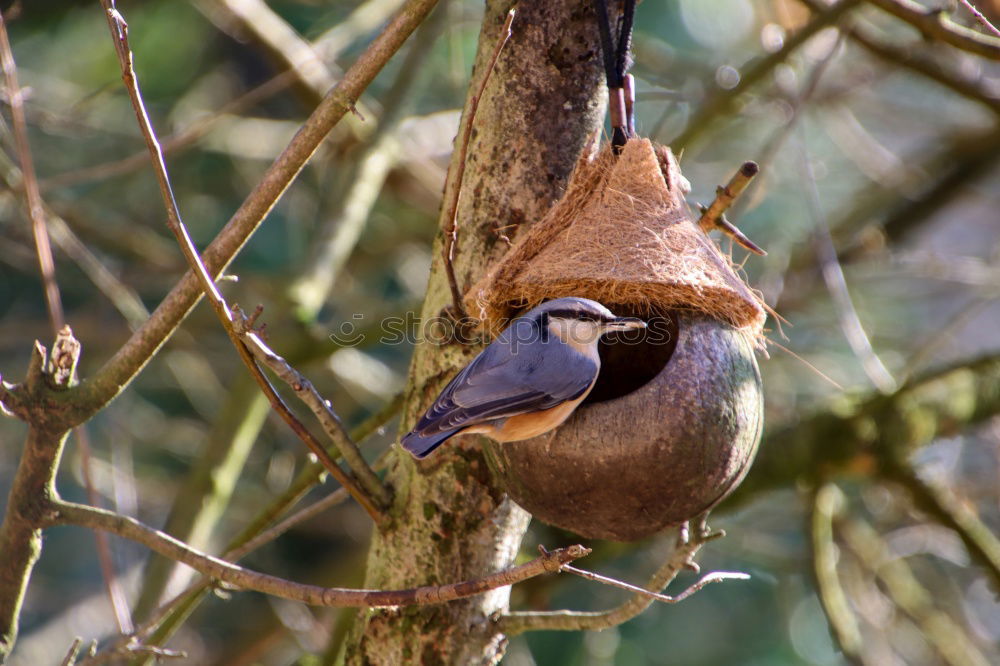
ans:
(523, 371)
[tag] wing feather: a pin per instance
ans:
(516, 374)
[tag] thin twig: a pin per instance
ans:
(36, 209)
(43, 247)
(321, 407)
(451, 212)
(983, 21)
(74, 650)
(721, 102)
(914, 59)
(119, 371)
(67, 513)
(257, 534)
(115, 592)
(707, 579)
(714, 215)
(935, 24)
(687, 545)
(175, 141)
(836, 283)
(373, 502)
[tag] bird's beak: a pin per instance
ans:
(625, 323)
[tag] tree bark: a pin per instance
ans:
(450, 521)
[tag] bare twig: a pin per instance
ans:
(688, 543)
(707, 579)
(915, 60)
(49, 374)
(167, 617)
(36, 209)
(722, 101)
(122, 368)
(451, 212)
(130, 650)
(115, 592)
(714, 215)
(68, 513)
(174, 142)
(982, 20)
(74, 650)
(935, 24)
(369, 492)
(321, 407)
(828, 502)
(833, 276)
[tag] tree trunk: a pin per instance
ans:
(450, 522)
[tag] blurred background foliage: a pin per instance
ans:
(893, 161)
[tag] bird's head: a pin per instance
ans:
(580, 321)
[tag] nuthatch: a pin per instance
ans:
(527, 381)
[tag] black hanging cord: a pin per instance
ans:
(625, 40)
(616, 64)
(607, 46)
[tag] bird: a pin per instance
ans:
(527, 381)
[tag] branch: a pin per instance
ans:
(308, 394)
(369, 492)
(59, 512)
(713, 216)
(978, 15)
(53, 300)
(949, 510)
(682, 557)
(721, 102)
(914, 60)
(176, 141)
(707, 579)
(827, 502)
(451, 212)
(119, 371)
(935, 24)
(954, 645)
(257, 533)
(338, 234)
(878, 435)
(34, 481)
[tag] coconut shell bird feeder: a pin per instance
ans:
(675, 416)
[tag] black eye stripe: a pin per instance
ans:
(578, 314)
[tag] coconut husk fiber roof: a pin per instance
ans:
(621, 234)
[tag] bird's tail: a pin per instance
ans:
(421, 445)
